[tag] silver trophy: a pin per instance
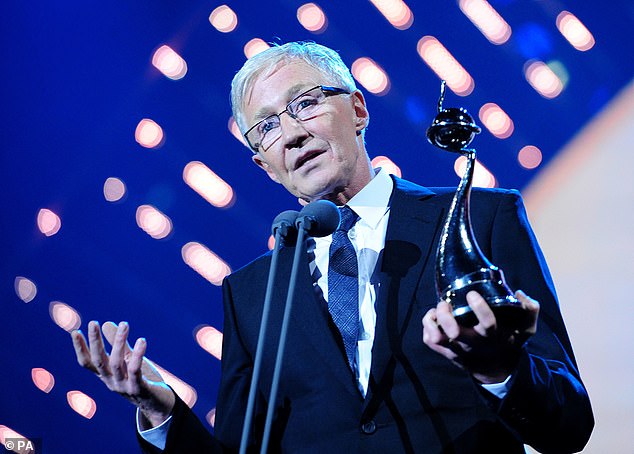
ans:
(460, 264)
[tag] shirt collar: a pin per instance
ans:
(372, 202)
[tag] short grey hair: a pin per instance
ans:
(324, 59)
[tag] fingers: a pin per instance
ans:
(136, 360)
(81, 350)
(434, 336)
(532, 307)
(487, 323)
(446, 321)
(98, 355)
(119, 350)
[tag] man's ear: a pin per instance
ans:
(362, 116)
(257, 159)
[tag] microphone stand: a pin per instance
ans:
(279, 231)
(299, 249)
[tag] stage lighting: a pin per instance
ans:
(445, 65)
(208, 185)
(481, 176)
(371, 76)
(496, 120)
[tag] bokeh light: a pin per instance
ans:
(386, 164)
(184, 390)
(64, 316)
(25, 288)
(543, 79)
(529, 157)
(153, 222)
(396, 12)
(81, 403)
(211, 417)
(482, 178)
(6, 432)
(208, 185)
(210, 339)
(223, 19)
(42, 379)
(574, 31)
(438, 58)
(254, 47)
(205, 262)
(312, 18)
(113, 189)
(235, 131)
(496, 120)
(149, 134)
(48, 222)
(172, 65)
(487, 20)
(371, 76)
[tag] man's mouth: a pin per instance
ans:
(307, 156)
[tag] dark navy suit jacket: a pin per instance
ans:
(417, 400)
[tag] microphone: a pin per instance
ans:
(319, 218)
(285, 224)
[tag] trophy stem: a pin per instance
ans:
(461, 266)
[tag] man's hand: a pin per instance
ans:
(125, 371)
(488, 351)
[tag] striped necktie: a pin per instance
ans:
(343, 284)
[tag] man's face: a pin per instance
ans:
(321, 157)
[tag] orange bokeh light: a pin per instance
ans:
(223, 19)
(543, 79)
(42, 379)
(254, 47)
(574, 31)
(205, 262)
(529, 157)
(48, 222)
(371, 76)
(153, 222)
(208, 185)
(172, 65)
(396, 12)
(149, 134)
(312, 18)
(25, 289)
(387, 164)
(496, 120)
(113, 189)
(487, 19)
(210, 339)
(482, 178)
(438, 58)
(64, 316)
(184, 390)
(81, 403)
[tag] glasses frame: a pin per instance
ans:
(325, 89)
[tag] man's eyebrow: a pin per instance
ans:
(290, 94)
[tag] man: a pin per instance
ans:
(412, 379)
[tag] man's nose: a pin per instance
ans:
(293, 130)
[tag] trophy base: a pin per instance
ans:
(490, 284)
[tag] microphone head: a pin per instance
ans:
(319, 218)
(284, 221)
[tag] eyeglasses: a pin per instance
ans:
(302, 108)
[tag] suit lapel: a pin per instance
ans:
(311, 320)
(413, 225)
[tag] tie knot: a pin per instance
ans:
(348, 218)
